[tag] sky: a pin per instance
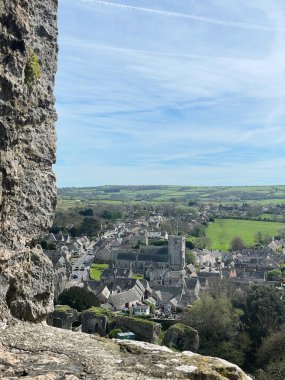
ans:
(171, 92)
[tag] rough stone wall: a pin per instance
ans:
(181, 337)
(94, 324)
(28, 56)
(63, 319)
(144, 330)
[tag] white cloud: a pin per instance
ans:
(184, 16)
(133, 106)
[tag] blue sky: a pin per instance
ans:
(184, 92)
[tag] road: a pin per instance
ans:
(81, 262)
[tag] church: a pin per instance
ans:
(171, 256)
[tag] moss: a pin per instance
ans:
(140, 320)
(161, 337)
(100, 311)
(33, 70)
(62, 308)
(180, 326)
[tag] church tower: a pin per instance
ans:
(176, 252)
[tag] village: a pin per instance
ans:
(139, 267)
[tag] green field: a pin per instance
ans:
(222, 231)
(96, 270)
(179, 194)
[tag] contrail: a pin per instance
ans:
(231, 24)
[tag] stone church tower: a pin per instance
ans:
(176, 252)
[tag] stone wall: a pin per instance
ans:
(181, 337)
(63, 317)
(144, 329)
(28, 56)
(94, 324)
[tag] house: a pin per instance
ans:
(165, 295)
(276, 245)
(103, 251)
(141, 310)
(192, 286)
(112, 273)
(127, 298)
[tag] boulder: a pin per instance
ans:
(41, 352)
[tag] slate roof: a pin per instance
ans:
(166, 293)
(127, 255)
(203, 282)
(155, 254)
(191, 268)
(187, 299)
(121, 299)
(209, 274)
(191, 283)
(153, 250)
(119, 273)
(121, 283)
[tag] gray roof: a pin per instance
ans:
(209, 274)
(121, 283)
(191, 267)
(155, 254)
(127, 255)
(166, 293)
(121, 299)
(119, 273)
(191, 282)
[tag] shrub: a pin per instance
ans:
(113, 334)
(78, 298)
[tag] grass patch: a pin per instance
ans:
(96, 270)
(137, 276)
(222, 231)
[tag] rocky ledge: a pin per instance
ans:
(43, 352)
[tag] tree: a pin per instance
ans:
(281, 232)
(87, 212)
(262, 238)
(202, 242)
(237, 244)
(198, 230)
(112, 215)
(272, 348)
(189, 244)
(78, 298)
(219, 325)
(158, 243)
(74, 231)
(270, 356)
(274, 275)
(190, 258)
(47, 246)
(90, 227)
(264, 311)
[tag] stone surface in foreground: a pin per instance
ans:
(44, 352)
